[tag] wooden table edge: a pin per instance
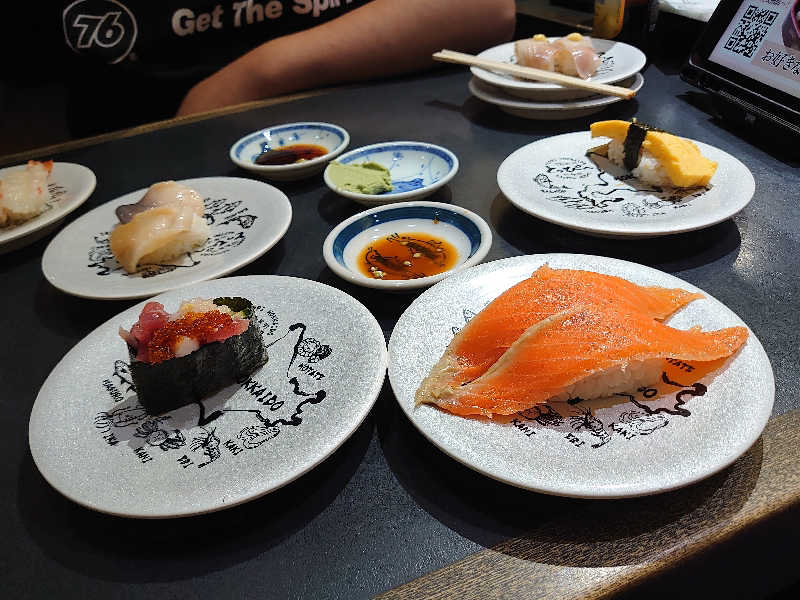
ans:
(495, 573)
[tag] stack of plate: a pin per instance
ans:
(533, 100)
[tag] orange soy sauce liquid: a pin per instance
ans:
(287, 155)
(402, 256)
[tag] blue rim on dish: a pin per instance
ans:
(426, 178)
(472, 226)
(270, 138)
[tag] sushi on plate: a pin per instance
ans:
(653, 156)
(23, 193)
(167, 222)
(204, 346)
(567, 333)
(572, 55)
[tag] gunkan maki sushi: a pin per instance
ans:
(180, 358)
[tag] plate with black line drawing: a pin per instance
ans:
(69, 185)
(554, 180)
(691, 424)
(93, 441)
(246, 218)
(618, 61)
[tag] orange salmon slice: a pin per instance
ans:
(488, 335)
(587, 351)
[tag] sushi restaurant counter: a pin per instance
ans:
(388, 513)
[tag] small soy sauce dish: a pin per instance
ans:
(290, 151)
(406, 246)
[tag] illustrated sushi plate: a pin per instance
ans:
(93, 441)
(619, 61)
(644, 441)
(68, 186)
(553, 179)
(245, 218)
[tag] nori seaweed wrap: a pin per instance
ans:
(172, 383)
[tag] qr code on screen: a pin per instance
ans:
(751, 31)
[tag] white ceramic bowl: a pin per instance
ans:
(462, 228)
(332, 137)
(417, 169)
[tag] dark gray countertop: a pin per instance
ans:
(387, 507)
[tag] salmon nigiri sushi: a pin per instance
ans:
(562, 334)
(167, 222)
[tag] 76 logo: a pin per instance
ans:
(105, 29)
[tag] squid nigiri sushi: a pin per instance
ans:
(164, 224)
(188, 355)
(23, 193)
(562, 334)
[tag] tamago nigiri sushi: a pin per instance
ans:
(164, 224)
(565, 333)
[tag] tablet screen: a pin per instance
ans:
(762, 41)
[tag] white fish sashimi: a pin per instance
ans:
(162, 194)
(170, 224)
(535, 52)
(575, 55)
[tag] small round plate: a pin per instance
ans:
(331, 137)
(565, 109)
(417, 170)
(465, 230)
(69, 186)
(628, 447)
(93, 442)
(620, 61)
(554, 180)
(247, 218)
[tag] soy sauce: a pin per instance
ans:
(402, 256)
(293, 153)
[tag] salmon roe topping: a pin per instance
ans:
(198, 326)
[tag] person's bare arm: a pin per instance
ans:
(381, 38)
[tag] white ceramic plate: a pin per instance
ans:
(620, 61)
(247, 218)
(93, 442)
(69, 186)
(564, 109)
(554, 180)
(633, 448)
(467, 232)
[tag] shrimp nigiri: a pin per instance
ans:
(23, 193)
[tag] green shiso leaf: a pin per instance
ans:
(236, 304)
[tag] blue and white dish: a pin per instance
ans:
(417, 169)
(465, 230)
(332, 137)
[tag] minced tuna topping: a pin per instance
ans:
(159, 336)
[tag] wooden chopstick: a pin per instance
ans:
(531, 73)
